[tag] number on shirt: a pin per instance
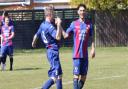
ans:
(82, 35)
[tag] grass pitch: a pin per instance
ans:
(107, 71)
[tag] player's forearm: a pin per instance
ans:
(93, 39)
(65, 35)
(58, 33)
(93, 45)
(11, 36)
(34, 41)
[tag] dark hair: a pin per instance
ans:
(6, 14)
(81, 5)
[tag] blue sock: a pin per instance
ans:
(75, 83)
(48, 84)
(59, 84)
(81, 84)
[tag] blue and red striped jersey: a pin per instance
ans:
(5, 33)
(80, 38)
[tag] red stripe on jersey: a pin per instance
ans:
(3, 36)
(77, 41)
(86, 40)
(4, 42)
(85, 44)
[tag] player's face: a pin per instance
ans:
(6, 20)
(51, 15)
(82, 12)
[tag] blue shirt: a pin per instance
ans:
(47, 32)
(80, 38)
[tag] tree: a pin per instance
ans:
(102, 4)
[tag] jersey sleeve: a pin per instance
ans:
(70, 29)
(52, 31)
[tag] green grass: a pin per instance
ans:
(107, 71)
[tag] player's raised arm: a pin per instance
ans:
(58, 33)
(11, 36)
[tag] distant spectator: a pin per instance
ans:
(0, 37)
(7, 34)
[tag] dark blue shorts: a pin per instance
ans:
(55, 66)
(80, 66)
(6, 50)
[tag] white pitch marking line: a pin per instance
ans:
(65, 83)
(102, 78)
(109, 77)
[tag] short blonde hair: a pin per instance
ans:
(48, 10)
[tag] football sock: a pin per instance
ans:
(81, 84)
(59, 84)
(75, 83)
(11, 63)
(48, 84)
(3, 66)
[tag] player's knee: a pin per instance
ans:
(3, 56)
(56, 78)
(76, 76)
(3, 59)
(11, 56)
(59, 77)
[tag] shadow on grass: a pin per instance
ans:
(26, 69)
